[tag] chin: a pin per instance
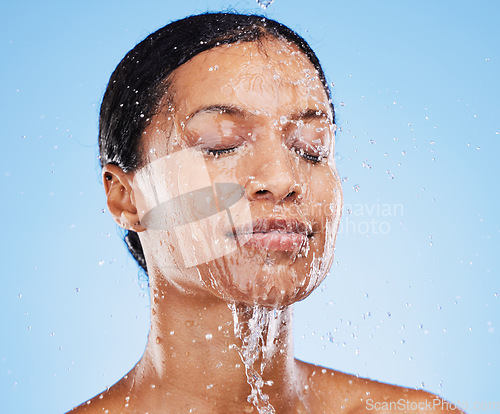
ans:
(268, 279)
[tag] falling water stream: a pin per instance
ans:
(256, 327)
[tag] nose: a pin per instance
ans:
(274, 178)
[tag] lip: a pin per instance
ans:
(286, 234)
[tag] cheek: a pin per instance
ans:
(178, 206)
(324, 194)
(226, 169)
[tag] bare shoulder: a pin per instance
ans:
(110, 401)
(335, 391)
(101, 403)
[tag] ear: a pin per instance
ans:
(119, 193)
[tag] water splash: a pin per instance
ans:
(264, 3)
(256, 327)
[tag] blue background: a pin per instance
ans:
(413, 296)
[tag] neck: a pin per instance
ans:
(195, 356)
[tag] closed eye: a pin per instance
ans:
(218, 152)
(315, 159)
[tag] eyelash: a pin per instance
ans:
(315, 159)
(218, 152)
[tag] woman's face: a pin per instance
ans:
(240, 196)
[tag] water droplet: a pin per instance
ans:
(208, 337)
(264, 3)
(356, 187)
(19, 295)
(77, 290)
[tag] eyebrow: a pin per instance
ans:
(221, 109)
(309, 114)
(306, 115)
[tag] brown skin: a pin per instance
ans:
(182, 369)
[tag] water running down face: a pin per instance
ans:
(252, 121)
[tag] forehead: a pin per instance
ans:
(270, 77)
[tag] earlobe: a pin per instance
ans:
(119, 194)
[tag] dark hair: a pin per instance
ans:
(139, 84)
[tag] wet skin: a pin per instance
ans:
(258, 116)
(263, 122)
